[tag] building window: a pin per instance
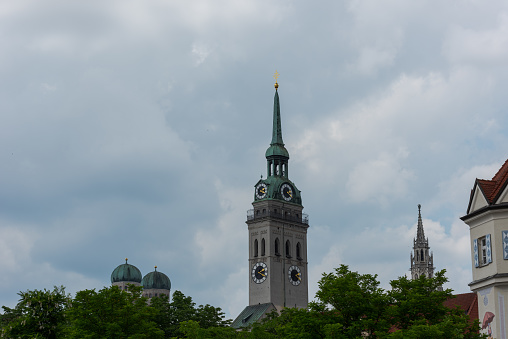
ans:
(298, 251)
(277, 246)
(255, 247)
(504, 236)
(288, 248)
(482, 251)
(263, 247)
(422, 258)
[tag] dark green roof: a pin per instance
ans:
(274, 184)
(277, 145)
(277, 150)
(252, 314)
(156, 280)
(126, 272)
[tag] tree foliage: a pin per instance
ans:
(112, 313)
(417, 310)
(182, 309)
(355, 300)
(351, 305)
(348, 305)
(38, 314)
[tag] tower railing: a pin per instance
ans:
(258, 214)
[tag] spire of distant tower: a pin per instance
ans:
(420, 235)
(277, 129)
(422, 260)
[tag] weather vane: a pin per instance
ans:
(276, 77)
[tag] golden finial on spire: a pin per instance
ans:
(126, 260)
(276, 77)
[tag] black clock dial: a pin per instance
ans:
(287, 192)
(295, 275)
(259, 272)
(261, 191)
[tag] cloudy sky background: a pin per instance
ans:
(138, 129)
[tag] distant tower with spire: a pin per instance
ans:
(422, 262)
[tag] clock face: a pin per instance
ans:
(259, 272)
(295, 275)
(261, 191)
(287, 192)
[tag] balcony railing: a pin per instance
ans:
(258, 214)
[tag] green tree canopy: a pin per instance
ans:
(38, 314)
(351, 305)
(182, 309)
(348, 305)
(112, 313)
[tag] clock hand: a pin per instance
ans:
(262, 274)
(289, 192)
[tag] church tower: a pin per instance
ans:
(422, 262)
(277, 236)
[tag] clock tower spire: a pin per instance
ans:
(277, 236)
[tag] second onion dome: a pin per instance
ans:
(156, 284)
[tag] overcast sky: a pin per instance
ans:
(138, 129)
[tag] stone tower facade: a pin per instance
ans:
(422, 261)
(277, 231)
(277, 236)
(487, 218)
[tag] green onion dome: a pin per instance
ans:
(126, 272)
(156, 280)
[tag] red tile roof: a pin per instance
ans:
(467, 302)
(492, 188)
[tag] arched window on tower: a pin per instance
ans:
(277, 246)
(298, 251)
(288, 249)
(421, 255)
(263, 247)
(417, 255)
(255, 247)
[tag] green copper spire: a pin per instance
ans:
(277, 185)
(277, 145)
(277, 129)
